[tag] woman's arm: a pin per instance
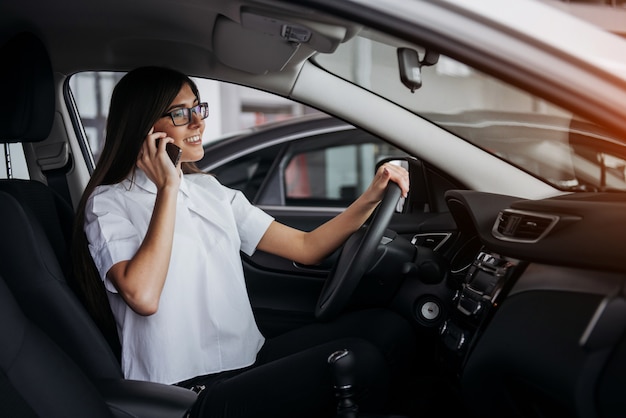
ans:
(140, 280)
(312, 247)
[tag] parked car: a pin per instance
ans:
(506, 256)
(313, 161)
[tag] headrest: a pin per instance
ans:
(26, 90)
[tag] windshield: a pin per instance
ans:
(527, 131)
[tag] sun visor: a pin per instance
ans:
(267, 44)
(249, 50)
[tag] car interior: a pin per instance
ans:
(509, 270)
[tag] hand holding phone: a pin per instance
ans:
(173, 151)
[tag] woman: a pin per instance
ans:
(166, 247)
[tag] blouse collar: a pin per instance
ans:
(141, 180)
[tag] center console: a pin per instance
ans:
(478, 295)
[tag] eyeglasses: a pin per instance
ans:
(183, 116)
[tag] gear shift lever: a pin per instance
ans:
(341, 364)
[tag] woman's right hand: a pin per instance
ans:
(140, 280)
(155, 162)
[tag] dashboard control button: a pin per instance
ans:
(430, 310)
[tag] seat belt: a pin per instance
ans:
(57, 181)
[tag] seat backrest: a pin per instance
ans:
(38, 379)
(53, 213)
(27, 112)
(32, 272)
(36, 222)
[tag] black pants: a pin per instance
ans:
(291, 377)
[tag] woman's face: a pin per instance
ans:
(187, 137)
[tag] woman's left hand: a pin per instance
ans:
(385, 173)
(312, 247)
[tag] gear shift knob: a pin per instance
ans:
(341, 363)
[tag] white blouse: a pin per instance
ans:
(204, 323)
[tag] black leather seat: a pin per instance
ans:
(26, 115)
(37, 378)
(34, 265)
(52, 211)
(32, 272)
(37, 225)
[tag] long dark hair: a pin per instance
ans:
(139, 99)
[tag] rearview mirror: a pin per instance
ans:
(410, 66)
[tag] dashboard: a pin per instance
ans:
(536, 322)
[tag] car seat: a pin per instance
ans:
(35, 222)
(26, 115)
(33, 274)
(37, 379)
(34, 254)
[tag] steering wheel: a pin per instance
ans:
(356, 257)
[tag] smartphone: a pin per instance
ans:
(172, 150)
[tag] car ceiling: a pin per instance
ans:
(194, 35)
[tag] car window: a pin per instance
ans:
(313, 161)
(333, 176)
(528, 131)
(14, 163)
(232, 108)
(314, 169)
(249, 172)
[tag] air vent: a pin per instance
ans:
(520, 226)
